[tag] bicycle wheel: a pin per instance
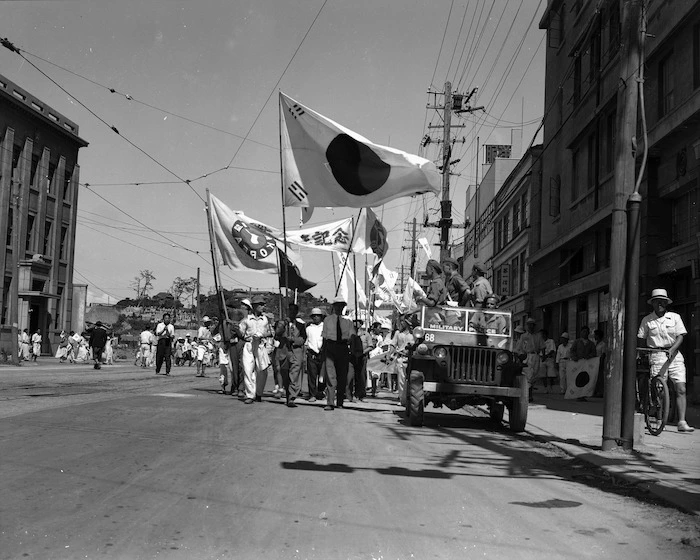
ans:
(656, 410)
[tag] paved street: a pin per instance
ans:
(121, 463)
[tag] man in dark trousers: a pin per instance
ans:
(98, 341)
(336, 336)
(360, 347)
(296, 337)
(165, 333)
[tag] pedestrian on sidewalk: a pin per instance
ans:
(360, 347)
(664, 331)
(562, 359)
(36, 345)
(548, 370)
(296, 337)
(528, 348)
(25, 345)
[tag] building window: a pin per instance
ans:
(523, 211)
(49, 178)
(577, 79)
(666, 85)
(590, 171)
(30, 229)
(574, 175)
(516, 218)
(556, 28)
(614, 29)
(515, 278)
(68, 185)
(46, 246)
(506, 228)
(64, 236)
(554, 196)
(10, 223)
(6, 299)
(696, 56)
(523, 275)
(560, 107)
(499, 235)
(610, 137)
(685, 214)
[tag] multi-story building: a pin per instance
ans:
(570, 263)
(513, 220)
(39, 168)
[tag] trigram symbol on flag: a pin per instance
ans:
(297, 191)
(296, 111)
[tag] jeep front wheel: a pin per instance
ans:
(517, 409)
(414, 402)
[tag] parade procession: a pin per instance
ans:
(324, 280)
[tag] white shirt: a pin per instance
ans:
(563, 352)
(145, 337)
(314, 337)
(165, 331)
(661, 332)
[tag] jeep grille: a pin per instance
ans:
(473, 365)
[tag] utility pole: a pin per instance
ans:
(626, 124)
(458, 103)
(412, 247)
(197, 308)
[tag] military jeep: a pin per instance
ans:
(464, 356)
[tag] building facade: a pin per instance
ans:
(513, 219)
(39, 175)
(570, 273)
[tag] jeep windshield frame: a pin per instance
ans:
(466, 326)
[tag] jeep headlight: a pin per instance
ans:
(440, 353)
(502, 358)
(418, 333)
(422, 348)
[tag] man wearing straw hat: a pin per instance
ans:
(663, 331)
(255, 329)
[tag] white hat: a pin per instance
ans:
(564, 335)
(317, 311)
(247, 303)
(217, 337)
(206, 319)
(340, 299)
(659, 293)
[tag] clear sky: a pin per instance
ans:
(367, 64)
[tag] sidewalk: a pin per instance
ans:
(667, 466)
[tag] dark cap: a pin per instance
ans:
(480, 267)
(435, 265)
(450, 260)
(257, 300)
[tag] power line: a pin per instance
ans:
(441, 45)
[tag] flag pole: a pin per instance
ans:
(284, 214)
(354, 271)
(345, 264)
(217, 282)
(279, 288)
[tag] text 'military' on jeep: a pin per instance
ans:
(465, 356)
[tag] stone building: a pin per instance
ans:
(570, 263)
(39, 180)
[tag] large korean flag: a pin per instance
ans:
(326, 164)
(581, 376)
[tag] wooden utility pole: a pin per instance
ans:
(626, 125)
(446, 203)
(198, 311)
(413, 251)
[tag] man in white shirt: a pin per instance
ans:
(145, 342)
(314, 355)
(165, 333)
(562, 360)
(336, 336)
(255, 329)
(36, 344)
(204, 337)
(663, 331)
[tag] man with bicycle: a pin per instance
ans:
(663, 330)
